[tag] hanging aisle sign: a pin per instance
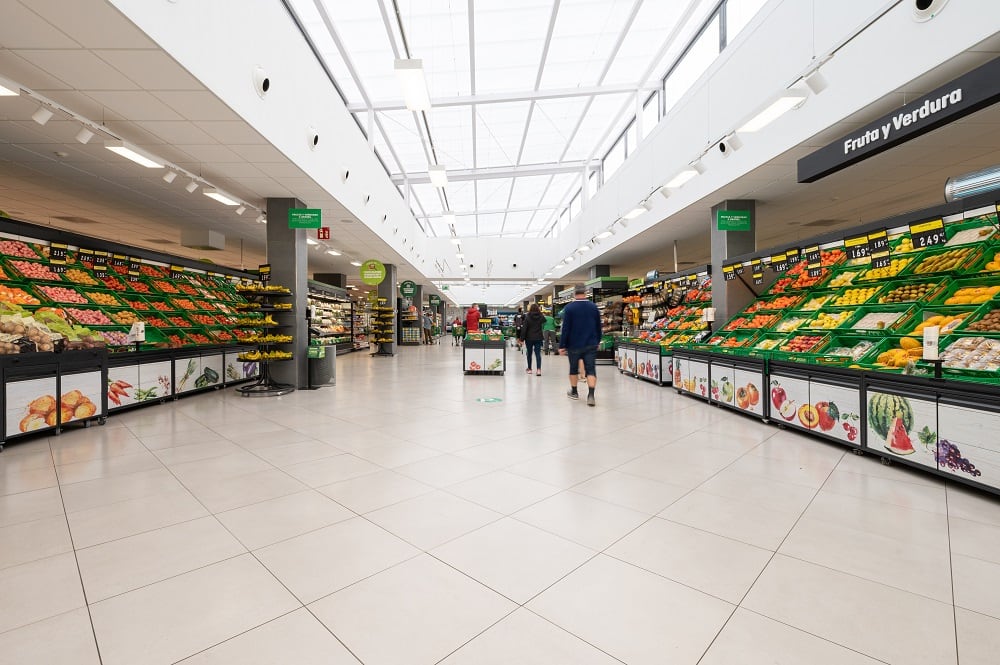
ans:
(58, 255)
(732, 220)
(305, 218)
(928, 234)
(878, 249)
(372, 272)
(408, 289)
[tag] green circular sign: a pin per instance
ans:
(408, 289)
(372, 272)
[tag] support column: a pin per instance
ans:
(287, 254)
(728, 298)
(387, 289)
(600, 270)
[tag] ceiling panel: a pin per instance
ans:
(154, 66)
(85, 69)
(93, 24)
(23, 28)
(196, 105)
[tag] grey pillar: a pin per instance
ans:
(387, 289)
(730, 297)
(287, 254)
(418, 298)
(600, 270)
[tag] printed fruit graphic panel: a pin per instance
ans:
(680, 373)
(723, 385)
(154, 381)
(789, 402)
(122, 385)
(698, 378)
(493, 360)
(667, 368)
(903, 426)
(32, 405)
(838, 411)
(81, 396)
(968, 445)
(748, 393)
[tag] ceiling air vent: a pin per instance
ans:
(203, 239)
(76, 220)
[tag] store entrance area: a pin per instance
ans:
(400, 517)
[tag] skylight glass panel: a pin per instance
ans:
(527, 191)
(429, 197)
(559, 188)
(437, 32)
(498, 132)
(493, 193)
(583, 40)
(517, 223)
(701, 13)
(451, 128)
(551, 124)
(650, 114)
(462, 195)
(401, 131)
(607, 113)
(360, 27)
(738, 14)
(509, 40)
(694, 63)
(438, 227)
(491, 224)
(652, 26)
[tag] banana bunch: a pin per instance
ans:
(254, 356)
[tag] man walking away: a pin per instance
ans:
(579, 338)
(428, 337)
(472, 319)
(531, 336)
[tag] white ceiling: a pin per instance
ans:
(86, 57)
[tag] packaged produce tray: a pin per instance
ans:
(797, 344)
(944, 261)
(831, 318)
(971, 357)
(846, 350)
(791, 322)
(985, 321)
(816, 300)
(947, 318)
(845, 275)
(891, 317)
(979, 229)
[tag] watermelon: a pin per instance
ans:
(897, 440)
(883, 409)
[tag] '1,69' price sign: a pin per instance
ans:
(928, 234)
(856, 246)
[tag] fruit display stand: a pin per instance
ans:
(261, 299)
(847, 363)
(484, 353)
(383, 327)
(334, 319)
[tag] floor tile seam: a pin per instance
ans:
(388, 505)
(352, 516)
(569, 632)
(239, 634)
(201, 459)
(33, 489)
(144, 531)
(755, 503)
(925, 546)
(113, 475)
(717, 535)
(670, 579)
(619, 505)
(951, 576)
(886, 503)
(819, 637)
(356, 582)
(134, 498)
(79, 572)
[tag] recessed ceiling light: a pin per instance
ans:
(778, 108)
(333, 252)
(356, 263)
(220, 196)
(310, 241)
(438, 175)
(640, 209)
(604, 234)
(410, 73)
(583, 248)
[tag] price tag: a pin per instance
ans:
(176, 272)
(813, 255)
(58, 255)
(740, 268)
(728, 273)
(692, 279)
(793, 255)
(264, 270)
(814, 269)
(757, 272)
(878, 249)
(100, 261)
(779, 262)
(119, 260)
(928, 234)
(87, 256)
(856, 246)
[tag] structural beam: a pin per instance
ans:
(496, 172)
(505, 97)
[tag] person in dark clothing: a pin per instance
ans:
(579, 338)
(518, 324)
(531, 335)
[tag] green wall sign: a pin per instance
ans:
(732, 220)
(304, 218)
(372, 272)
(408, 289)
(434, 299)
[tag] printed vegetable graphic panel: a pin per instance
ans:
(211, 371)
(154, 381)
(81, 396)
(903, 426)
(30, 405)
(186, 370)
(969, 445)
(723, 384)
(122, 385)
(837, 411)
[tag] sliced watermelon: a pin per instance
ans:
(897, 440)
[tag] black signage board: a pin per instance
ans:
(963, 96)
(878, 249)
(928, 234)
(856, 246)
(176, 272)
(779, 262)
(757, 272)
(119, 260)
(58, 255)
(100, 261)
(729, 272)
(265, 272)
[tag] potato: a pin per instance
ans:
(51, 419)
(67, 413)
(72, 398)
(43, 405)
(31, 422)
(85, 410)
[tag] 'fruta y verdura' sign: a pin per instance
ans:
(963, 96)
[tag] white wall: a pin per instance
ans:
(779, 45)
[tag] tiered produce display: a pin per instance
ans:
(842, 353)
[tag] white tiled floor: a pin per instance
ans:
(393, 519)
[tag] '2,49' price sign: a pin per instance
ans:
(928, 234)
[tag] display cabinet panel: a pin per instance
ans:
(212, 367)
(837, 411)
(903, 425)
(155, 381)
(666, 369)
(31, 405)
(749, 395)
(698, 375)
(81, 396)
(969, 443)
(723, 385)
(123, 382)
(789, 401)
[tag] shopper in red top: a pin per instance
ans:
(472, 319)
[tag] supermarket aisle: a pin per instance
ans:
(395, 519)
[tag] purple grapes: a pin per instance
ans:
(950, 457)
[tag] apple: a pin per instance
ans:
(829, 414)
(778, 396)
(787, 410)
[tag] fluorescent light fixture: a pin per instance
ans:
(604, 234)
(42, 115)
(310, 241)
(569, 259)
(439, 177)
(640, 209)
(664, 191)
(169, 176)
(681, 178)
(778, 108)
(192, 186)
(333, 252)
(448, 218)
(134, 154)
(548, 273)
(242, 209)
(456, 241)
(460, 256)
(410, 74)
(221, 197)
(8, 88)
(583, 248)
(84, 135)
(356, 264)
